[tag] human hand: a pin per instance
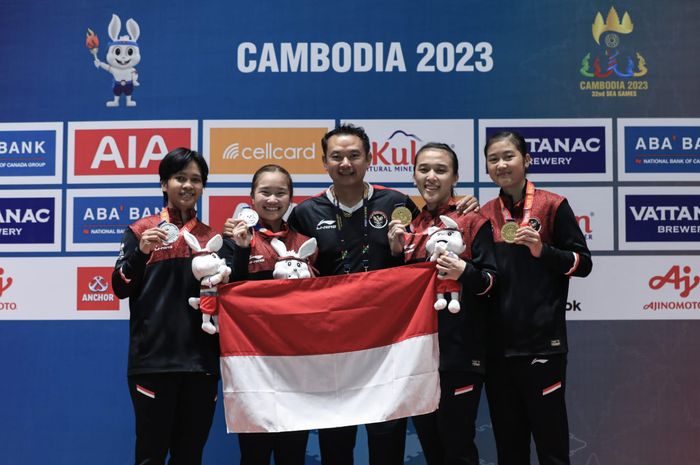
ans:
(450, 266)
(396, 236)
(527, 236)
(467, 204)
(150, 239)
(239, 231)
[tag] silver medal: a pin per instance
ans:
(249, 217)
(171, 230)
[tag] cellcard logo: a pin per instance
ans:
(242, 150)
(563, 149)
(27, 220)
(615, 66)
(94, 290)
(100, 151)
(27, 152)
(662, 149)
(662, 218)
(100, 220)
(5, 283)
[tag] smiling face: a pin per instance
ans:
(123, 56)
(346, 161)
(271, 198)
(184, 188)
(435, 177)
(507, 166)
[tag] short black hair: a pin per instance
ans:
(177, 160)
(513, 137)
(346, 129)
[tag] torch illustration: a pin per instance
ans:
(92, 43)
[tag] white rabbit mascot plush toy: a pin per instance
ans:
(447, 239)
(210, 270)
(291, 264)
(122, 57)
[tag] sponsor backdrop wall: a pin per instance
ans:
(605, 93)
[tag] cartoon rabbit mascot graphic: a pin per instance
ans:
(447, 239)
(291, 264)
(122, 57)
(211, 271)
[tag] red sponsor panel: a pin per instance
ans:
(222, 207)
(110, 151)
(94, 289)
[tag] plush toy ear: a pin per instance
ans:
(279, 247)
(449, 222)
(307, 248)
(192, 241)
(215, 243)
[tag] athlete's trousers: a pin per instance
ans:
(526, 398)
(174, 412)
(447, 435)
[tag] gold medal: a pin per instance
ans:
(402, 214)
(508, 231)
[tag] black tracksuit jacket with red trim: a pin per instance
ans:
(530, 318)
(165, 334)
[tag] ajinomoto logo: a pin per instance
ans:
(244, 150)
(615, 65)
(95, 289)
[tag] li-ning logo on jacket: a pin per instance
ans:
(325, 224)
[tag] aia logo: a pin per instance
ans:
(120, 150)
(94, 291)
(681, 280)
(4, 282)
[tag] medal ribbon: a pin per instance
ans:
(527, 207)
(165, 216)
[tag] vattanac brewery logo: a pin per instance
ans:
(615, 67)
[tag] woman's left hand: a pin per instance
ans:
(527, 236)
(450, 266)
(467, 204)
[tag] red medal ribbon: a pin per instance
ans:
(527, 207)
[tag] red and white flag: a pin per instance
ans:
(329, 351)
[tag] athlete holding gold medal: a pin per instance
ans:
(539, 246)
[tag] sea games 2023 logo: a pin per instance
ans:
(613, 69)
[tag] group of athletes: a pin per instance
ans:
(509, 337)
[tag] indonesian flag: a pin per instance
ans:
(332, 351)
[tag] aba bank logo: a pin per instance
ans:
(5, 283)
(615, 65)
(94, 289)
(662, 218)
(27, 220)
(563, 149)
(678, 278)
(104, 219)
(27, 153)
(125, 151)
(396, 153)
(662, 149)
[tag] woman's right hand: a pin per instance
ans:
(150, 239)
(237, 230)
(397, 237)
